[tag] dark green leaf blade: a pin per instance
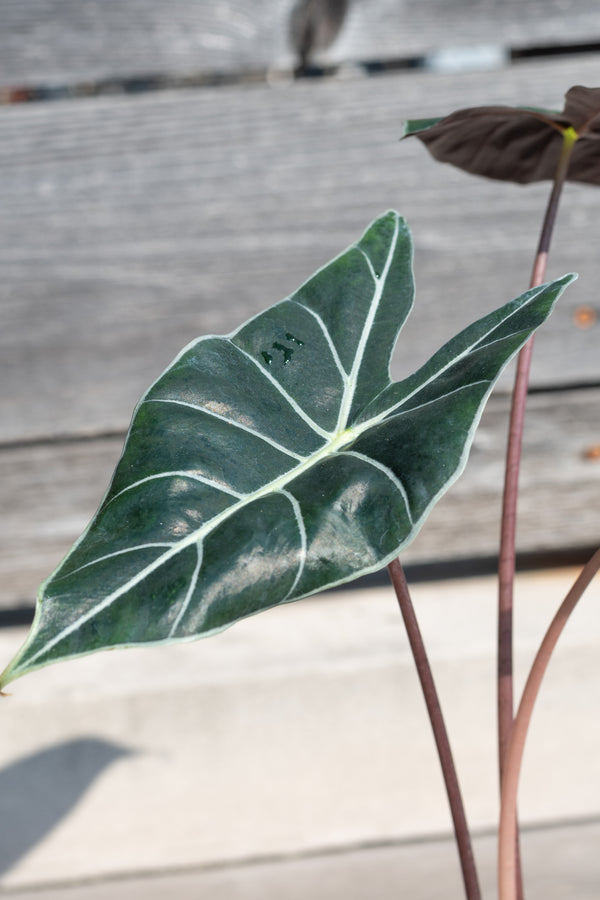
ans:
(269, 464)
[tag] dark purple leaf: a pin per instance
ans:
(517, 143)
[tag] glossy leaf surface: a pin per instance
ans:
(517, 143)
(269, 464)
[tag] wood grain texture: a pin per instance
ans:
(395, 28)
(132, 225)
(58, 41)
(55, 41)
(48, 493)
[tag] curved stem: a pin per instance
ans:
(507, 553)
(507, 835)
(507, 558)
(506, 564)
(461, 829)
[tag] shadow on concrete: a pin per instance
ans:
(36, 792)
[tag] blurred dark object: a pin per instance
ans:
(314, 25)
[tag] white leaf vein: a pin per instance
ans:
(190, 591)
(369, 263)
(464, 353)
(115, 553)
(180, 473)
(303, 540)
(286, 396)
(232, 422)
(387, 472)
(395, 411)
(366, 331)
(328, 338)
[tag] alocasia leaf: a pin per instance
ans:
(279, 460)
(518, 143)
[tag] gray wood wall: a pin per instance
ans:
(51, 41)
(132, 222)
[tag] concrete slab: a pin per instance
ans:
(300, 730)
(561, 863)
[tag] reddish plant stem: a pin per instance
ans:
(506, 566)
(507, 835)
(461, 829)
(507, 555)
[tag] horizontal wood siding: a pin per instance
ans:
(56, 41)
(132, 225)
(49, 492)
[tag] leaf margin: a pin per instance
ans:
(13, 670)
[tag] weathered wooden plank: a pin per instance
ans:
(49, 41)
(48, 492)
(396, 28)
(131, 225)
(58, 41)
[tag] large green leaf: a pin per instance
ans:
(277, 461)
